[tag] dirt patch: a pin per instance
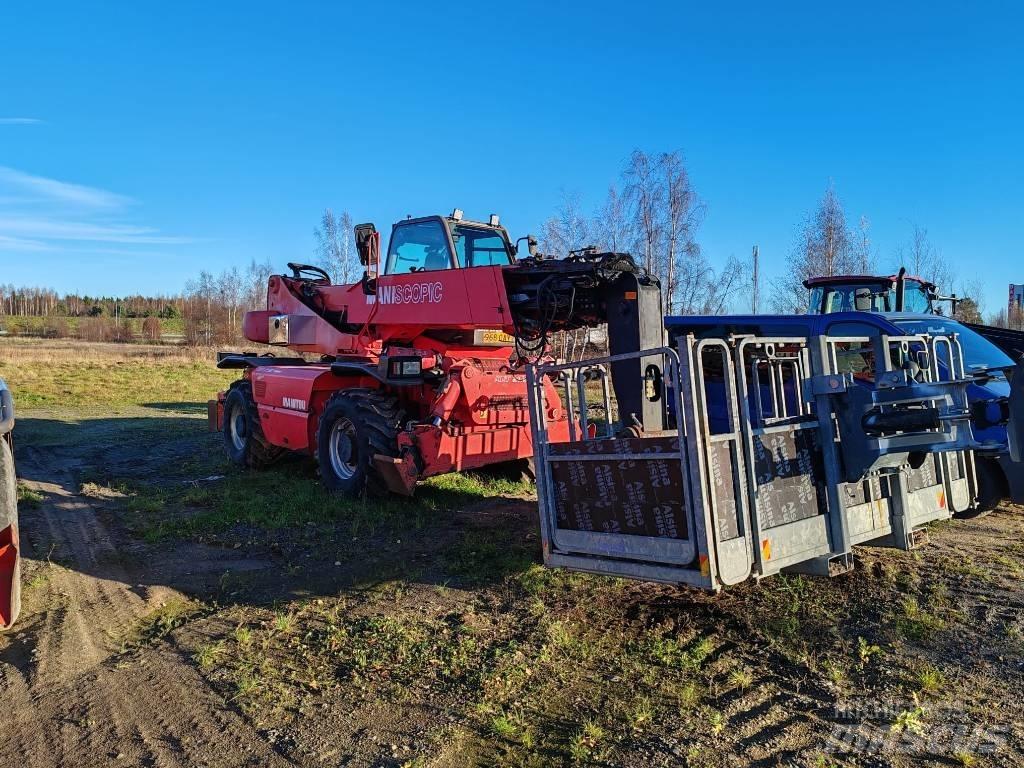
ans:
(176, 613)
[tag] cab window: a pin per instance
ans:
(845, 299)
(915, 298)
(817, 295)
(420, 247)
(479, 247)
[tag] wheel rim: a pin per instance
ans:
(343, 450)
(238, 426)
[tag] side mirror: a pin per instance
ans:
(862, 300)
(367, 244)
(531, 244)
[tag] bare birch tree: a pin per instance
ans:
(645, 194)
(704, 290)
(612, 228)
(655, 218)
(922, 259)
(255, 283)
(683, 264)
(824, 248)
(863, 257)
(568, 230)
(334, 246)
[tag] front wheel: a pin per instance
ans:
(243, 436)
(356, 425)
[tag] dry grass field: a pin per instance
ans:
(66, 373)
(180, 612)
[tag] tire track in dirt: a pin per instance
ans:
(75, 698)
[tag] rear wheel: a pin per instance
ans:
(992, 489)
(356, 425)
(244, 441)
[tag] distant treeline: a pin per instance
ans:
(123, 329)
(45, 302)
(208, 312)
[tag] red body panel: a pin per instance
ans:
(291, 398)
(461, 449)
(403, 307)
(478, 401)
(446, 298)
(8, 565)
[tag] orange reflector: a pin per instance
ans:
(630, 295)
(705, 567)
(766, 549)
(942, 499)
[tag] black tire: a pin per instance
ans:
(9, 519)
(992, 489)
(356, 425)
(243, 435)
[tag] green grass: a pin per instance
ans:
(917, 623)
(28, 498)
(161, 621)
(930, 680)
(290, 495)
(76, 383)
(486, 555)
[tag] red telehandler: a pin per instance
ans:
(420, 363)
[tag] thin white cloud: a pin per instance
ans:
(62, 191)
(43, 228)
(21, 244)
(20, 121)
(44, 214)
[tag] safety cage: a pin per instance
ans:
(758, 459)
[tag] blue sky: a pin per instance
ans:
(140, 143)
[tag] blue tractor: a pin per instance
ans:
(915, 305)
(999, 476)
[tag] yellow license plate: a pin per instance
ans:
(492, 338)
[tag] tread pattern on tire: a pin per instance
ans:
(261, 453)
(990, 477)
(382, 417)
